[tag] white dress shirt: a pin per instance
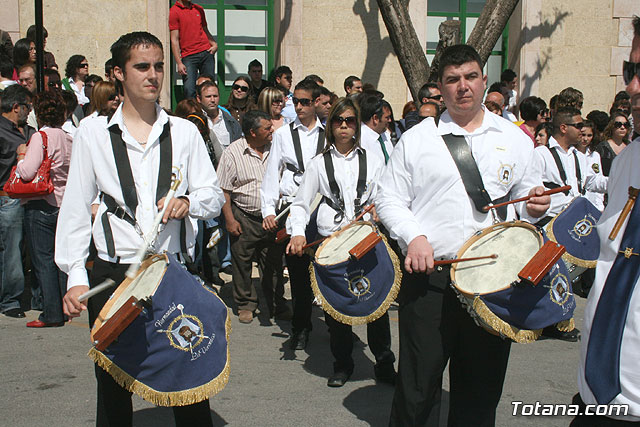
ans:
(421, 191)
(624, 173)
(593, 162)
(82, 98)
(369, 141)
(219, 127)
(315, 180)
(69, 127)
(550, 173)
(93, 170)
(278, 181)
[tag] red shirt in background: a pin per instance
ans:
(190, 22)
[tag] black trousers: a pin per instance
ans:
(114, 408)
(301, 293)
(341, 340)
(434, 329)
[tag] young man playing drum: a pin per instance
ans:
(336, 211)
(292, 149)
(423, 202)
(148, 144)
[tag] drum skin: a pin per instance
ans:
(493, 294)
(175, 353)
(355, 292)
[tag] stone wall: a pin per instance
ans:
(558, 43)
(90, 27)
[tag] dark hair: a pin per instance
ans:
(425, 91)
(251, 120)
(309, 85)
(496, 87)
(620, 104)
(186, 107)
(249, 97)
(636, 26)
(204, 85)
(108, 66)
(622, 95)
(6, 68)
(548, 127)
(49, 108)
(370, 105)
(93, 78)
(14, 94)
(254, 63)
(564, 116)
(338, 108)
(323, 91)
(349, 81)
(608, 131)
(283, 69)
(570, 97)
(31, 33)
(531, 106)
(508, 75)
(553, 101)
(595, 139)
(50, 72)
(457, 55)
(72, 65)
(315, 78)
(21, 52)
(70, 101)
(200, 120)
(121, 49)
(599, 119)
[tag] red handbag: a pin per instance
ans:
(40, 185)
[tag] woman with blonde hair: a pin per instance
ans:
(271, 101)
(104, 99)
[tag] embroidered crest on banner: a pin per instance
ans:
(185, 332)
(358, 284)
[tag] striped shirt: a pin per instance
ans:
(240, 172)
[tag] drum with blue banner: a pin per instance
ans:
(355, 290)
(175, 352)
(575, 229)
(497, 298)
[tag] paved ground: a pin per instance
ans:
(47, 379)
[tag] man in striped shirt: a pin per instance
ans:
(240, 171)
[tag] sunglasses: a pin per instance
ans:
(578, 125)
(113, 97)
(83, 66)
(435, 97)
(240, 88)
(630, 69)
(338, 121)
(304, 101)
(619, 125)
(55, 84)
(277, 101)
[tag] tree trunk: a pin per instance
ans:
(406, 44)
(449, 33)
(490, 26)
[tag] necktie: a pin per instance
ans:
(384, 150)
(602, 365)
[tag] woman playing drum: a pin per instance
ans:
(335, 175)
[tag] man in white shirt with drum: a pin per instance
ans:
(423, 202)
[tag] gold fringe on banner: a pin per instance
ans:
(566, 325)
(380, 311)
(502, 327)
(175, 398)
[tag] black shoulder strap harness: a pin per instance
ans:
(470, 175)
(128, 186)
(361, 186)
(563, 174)
(298, 171)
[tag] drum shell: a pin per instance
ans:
(517, 310)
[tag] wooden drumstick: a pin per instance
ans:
(95, 291)
(524, 199)
(453, 261)
(633, 195)
(358, 218)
